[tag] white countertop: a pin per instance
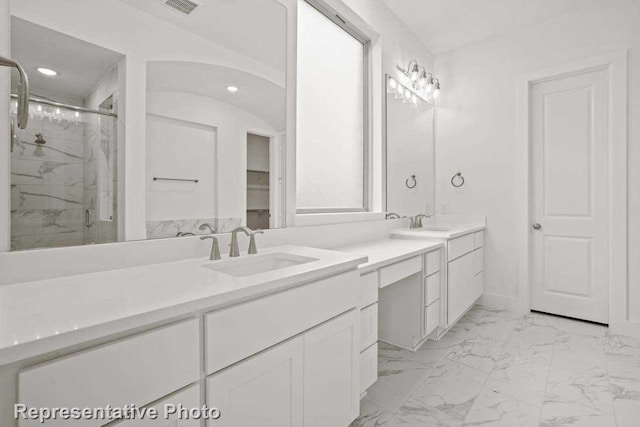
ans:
(46, 315)
(452, 231)
(387, 251)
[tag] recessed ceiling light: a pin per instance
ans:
(232, 89)
(47, 71)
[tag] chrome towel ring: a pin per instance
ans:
(460, 182)
(412, 180)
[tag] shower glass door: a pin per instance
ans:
(63, 177)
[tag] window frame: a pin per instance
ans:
(335, 17)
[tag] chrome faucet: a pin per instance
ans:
(184, 234)
(416, 221)
(207, 225)
(235, 252)
(215, 249)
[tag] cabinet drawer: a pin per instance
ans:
(431, 318)
(188, 398)
(136, 370)
(431, 289)
(368, 326)
(432, 262)
(399, 271)
(237, 332)
(368, 289)
(479, 260)
(368, 367)
(478, 239)
(460, 246)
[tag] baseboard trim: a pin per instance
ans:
(501, 302)
(626, 327)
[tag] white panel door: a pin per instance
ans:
(569, 146)
(265, 390)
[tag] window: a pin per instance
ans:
(332, 111)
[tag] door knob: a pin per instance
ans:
(537, 226)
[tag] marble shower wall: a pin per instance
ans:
(47, 185)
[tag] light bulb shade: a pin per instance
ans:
(430, 84)
(423, 80)
(392, 85)
(436, 93)
(414, 73)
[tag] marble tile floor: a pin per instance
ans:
(498, 368)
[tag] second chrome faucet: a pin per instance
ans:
(234, 251)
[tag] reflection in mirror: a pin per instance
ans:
(64, 181)
(204, 119)
(410, 151)
(215, 123)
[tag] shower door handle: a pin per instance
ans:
(23, 94)
(87, 218)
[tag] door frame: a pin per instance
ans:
(616, 64)
(276, 188)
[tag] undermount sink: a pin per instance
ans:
(437, 228)
(256, 264)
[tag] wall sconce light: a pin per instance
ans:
(421, 79)
(403, 93)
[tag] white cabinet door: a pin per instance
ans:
(331, 372)
(460, 289)
(168, 411)
(265, 390)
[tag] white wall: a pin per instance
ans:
(476, 125)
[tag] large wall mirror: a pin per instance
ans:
(410, 179)
(213, 95)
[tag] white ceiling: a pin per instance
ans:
(80, 64)
(254, 28)
(447, 24)
(258, 96)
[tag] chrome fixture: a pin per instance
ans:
(215, 249)
(460, 182)
(207, 225)
(416, 221)
(155, 178)
(391, 215)
(537, 226)
(184, 234)
(421, 79)
(23, 95)
(88, 215)
(45, 101)
(411, 182)
(234, 251)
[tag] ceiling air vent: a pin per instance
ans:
(182, 6)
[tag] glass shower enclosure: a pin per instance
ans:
(64, 175)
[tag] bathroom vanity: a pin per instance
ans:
(462, 273)
(281, 345)
(405, 277)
